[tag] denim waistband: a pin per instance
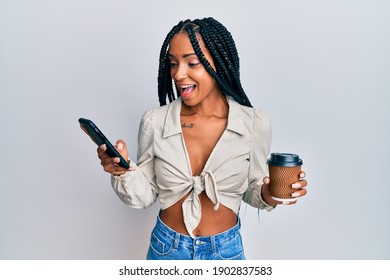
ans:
(189, 242)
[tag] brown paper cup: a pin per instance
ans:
(284, 171)
(282, 178)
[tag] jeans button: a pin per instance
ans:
(197, 242)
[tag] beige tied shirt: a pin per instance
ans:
(233, 172)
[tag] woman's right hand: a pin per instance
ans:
(110, 165)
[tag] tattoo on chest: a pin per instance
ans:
(187, 125)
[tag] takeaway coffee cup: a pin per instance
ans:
(284, 171)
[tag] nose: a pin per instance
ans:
(179, 72)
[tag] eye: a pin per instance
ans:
(194, 64)
(172, 64)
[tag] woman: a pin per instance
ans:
(201, 154)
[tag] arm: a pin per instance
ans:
(258, 169)
(137, 187)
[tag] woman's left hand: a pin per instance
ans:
(299, 186)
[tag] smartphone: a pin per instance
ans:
(98, 137)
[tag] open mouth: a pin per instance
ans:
(187, 90)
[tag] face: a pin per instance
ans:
(195, 84)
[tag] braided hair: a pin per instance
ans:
(222, 48)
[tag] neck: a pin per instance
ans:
(215, 105)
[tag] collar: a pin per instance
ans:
(172, 124)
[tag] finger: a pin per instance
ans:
(113, 168)
(299, 193)
(266, 180)
(303, 183)
(299, 184)
(289, 202)
(101, 150)
(106, 160)
(121, 147)
(120, 144)
(302, 174)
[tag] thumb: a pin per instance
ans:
(120, 144)
(266, 180)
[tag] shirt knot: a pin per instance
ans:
(191, 205)
(210, 186)
(198, 183)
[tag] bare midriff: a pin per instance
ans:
(212, 221)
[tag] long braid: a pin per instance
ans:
(230, 58)
(165, 89)
(206, 63)
(219, 42)
(215, 46)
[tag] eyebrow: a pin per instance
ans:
(183, 56)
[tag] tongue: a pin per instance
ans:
(187, 91)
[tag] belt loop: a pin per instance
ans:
(177, 239)
(213, 245)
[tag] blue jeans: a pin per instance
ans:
(167, 244)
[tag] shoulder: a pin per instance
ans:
(261, 116)
(157, 115)
(250, 115)
(258, 123)
(255, 113)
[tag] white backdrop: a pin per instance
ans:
(320, 68)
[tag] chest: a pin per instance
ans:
(201, 135)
